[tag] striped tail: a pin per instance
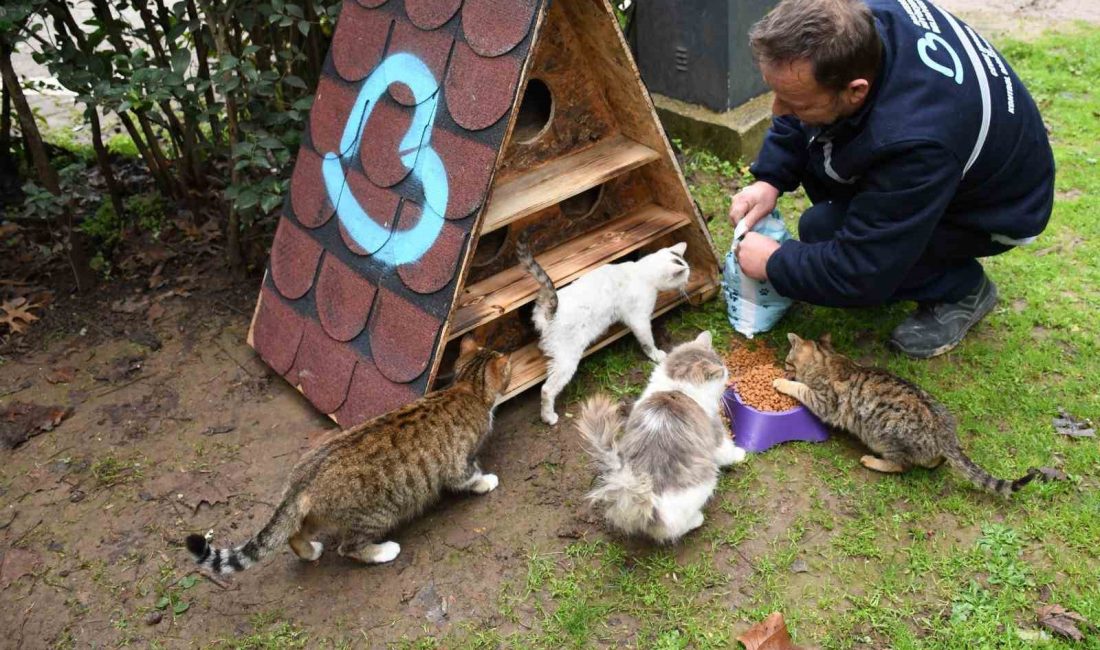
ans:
(983, 479)
(283, 523)
(546, 302)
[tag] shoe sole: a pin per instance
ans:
(944, 349)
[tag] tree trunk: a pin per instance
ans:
(76, 248)
(103, 160)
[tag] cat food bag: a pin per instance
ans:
(753, 306)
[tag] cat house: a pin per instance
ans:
(441, 129)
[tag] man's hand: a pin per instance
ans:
(753, 203)
(753, 254)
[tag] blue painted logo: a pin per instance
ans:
(417, 154)
(934, 42)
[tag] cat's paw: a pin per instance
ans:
(487, 483)
(384, 552)
(318, 548)
(658, 355)
(730, 454)
(550, 418)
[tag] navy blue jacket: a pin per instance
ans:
(948, 133)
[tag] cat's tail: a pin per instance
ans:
(546, 302)
(283, 523)
(983, 479)
(628, 499)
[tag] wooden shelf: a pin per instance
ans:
(514, 287)
(529, 366)
(562, 178)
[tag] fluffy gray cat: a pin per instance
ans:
(658, 469)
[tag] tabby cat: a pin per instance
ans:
(658, 469)
(570, 320)
(364, 482)
(903, 425)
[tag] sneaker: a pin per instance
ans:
(936, 328)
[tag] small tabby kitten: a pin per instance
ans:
(657, 471)
(364, 482)
(568, 321)
(903, 425)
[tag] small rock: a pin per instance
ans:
(145, 496)
(55, 546)
(153, 618)
(800, 566)
(76, 497)
(64, 573)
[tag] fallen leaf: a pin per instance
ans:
(1061, 621)
(215, 430)
(16, 314)
(22, 420)
(16, 564)
(1052, 474)
(769, 634)
(134, 305)
(8, 229)
(156, 310)
(1070, 425)
(62, 375)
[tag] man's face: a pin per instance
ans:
(798, 93)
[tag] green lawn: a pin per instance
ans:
(914, 561)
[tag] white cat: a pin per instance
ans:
(657, 469)
(570, 320)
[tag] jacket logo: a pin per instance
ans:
(933, 42)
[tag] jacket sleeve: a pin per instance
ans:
(886, 229)
(782, 158)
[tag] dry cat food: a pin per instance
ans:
(752, 372)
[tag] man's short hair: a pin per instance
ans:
(838, 37)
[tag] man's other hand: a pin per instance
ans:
(753, 203)
(753, 254)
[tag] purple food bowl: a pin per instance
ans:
(758, 431)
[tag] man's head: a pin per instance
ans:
(818, 56)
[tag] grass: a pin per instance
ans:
(914, 561)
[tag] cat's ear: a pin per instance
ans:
(706, 338)
(793, 338)
(826, 341)
(467, 346)
(501, 367)
(679, 248)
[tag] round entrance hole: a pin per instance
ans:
(489, 247)
(535, 111)
(583, 204)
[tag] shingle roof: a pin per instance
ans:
(363, 268)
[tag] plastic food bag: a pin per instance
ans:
(753, 306)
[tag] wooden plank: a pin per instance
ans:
(559, 179)
(529, 366)
(511, 289)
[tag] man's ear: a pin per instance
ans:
(857, 91)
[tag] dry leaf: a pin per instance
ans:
(22, 420)
(62, 375)
(1061, 621)
(130, 305)
(17, 315)
(156, 310)
(769, 634)
(16, 564)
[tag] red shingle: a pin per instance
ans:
(382, 137)
(430, 14)
(402, 337)
(343, 299)
(307, 190)
(324, 368)
(469, 165)
(371, 395)
(371, 3)
(433, 271)
(276, 331)
(294, 257)
(493, 27)
(379, 203)
(431, 47)
(479, 90)
(329, 113)
(360, 40)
